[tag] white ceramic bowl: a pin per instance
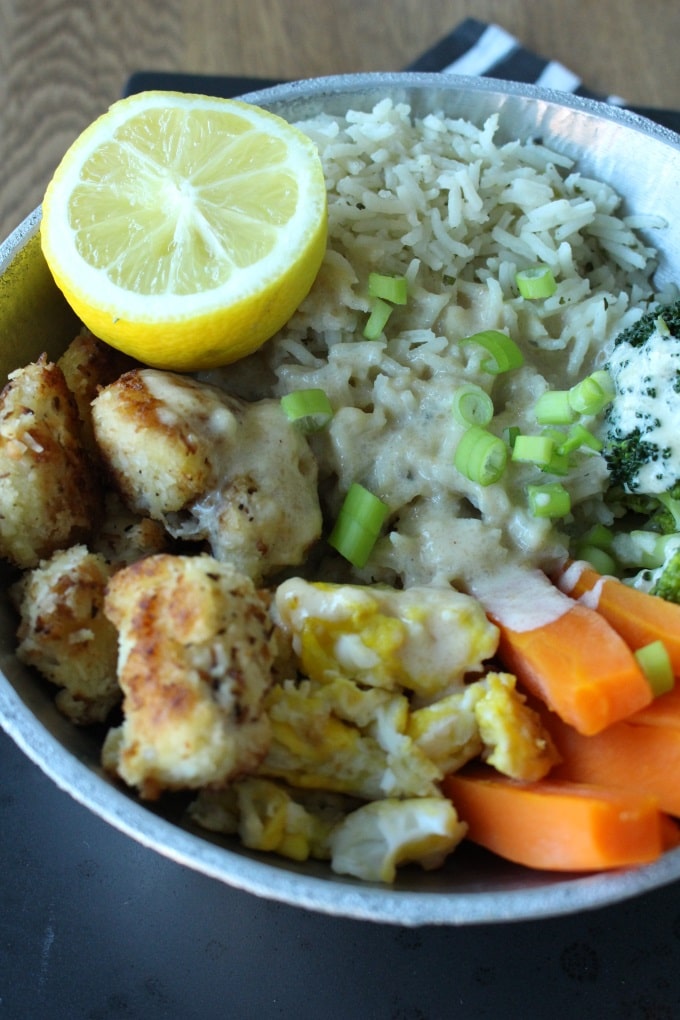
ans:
(642, 162)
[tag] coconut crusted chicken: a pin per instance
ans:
(48, 492)
(212, 468)
(64, 633)
(60, 527)
(196, 658)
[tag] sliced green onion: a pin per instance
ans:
(554, 408)
(655, 663)
(480, 456)
(309, 409)
(537, 282)
(598, 558)
(533, 449)
(559, 464)
(578, 437)
(358, 525)
(592, 394)
(377, 320)
(599, 535)
(472, 405)
(605, 382)
(511, 433)
(505, 354)
(550, 500)
(389, 288)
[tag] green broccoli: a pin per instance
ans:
(667, 578)
(641, 434)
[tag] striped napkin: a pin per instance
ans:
(472, 48)
(476, 48)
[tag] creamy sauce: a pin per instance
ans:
(520, 598)
(647, 400)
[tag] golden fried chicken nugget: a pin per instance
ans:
(65, 635)
(89, 364)
(197, 649)
(123, 537)
(212, 468)
(48, 493)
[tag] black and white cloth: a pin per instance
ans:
(477, 48)
(472, 48)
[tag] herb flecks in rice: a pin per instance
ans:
(458, 213)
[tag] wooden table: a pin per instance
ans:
(63, 61)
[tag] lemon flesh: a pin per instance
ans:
(186, 230)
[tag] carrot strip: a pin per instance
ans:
(564, 653)
(663, 711)
(643, 760)
(558, 826)
(637, 616)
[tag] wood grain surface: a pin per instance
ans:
(63, 61)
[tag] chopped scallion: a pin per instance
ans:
(550, 500)
(511, 433)
(598, 558)
(533, 449)
(554, 408)
(578, 437)
(389, 288)
(655, 663)
(537, 282)
(309, 409)
(559, 464)
(592, 394)
(472, 405)
(599, 535)
(358, 525)
(505, 354)
(480, 456)
(377, 320)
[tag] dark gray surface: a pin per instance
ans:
(94, 926)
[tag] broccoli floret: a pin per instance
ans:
(641, 442)
(667, 580)
(666, 516)
(639, 333)
(625, 457)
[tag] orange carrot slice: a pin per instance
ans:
(564, 653)
(643, 760)
(558, 826)
(637, 616)
(663, 711)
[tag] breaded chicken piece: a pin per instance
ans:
(211, 467)
(89, 364)
(48, 494)
(64, 634)
(196, 654)
(123, 537)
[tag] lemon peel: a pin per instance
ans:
(185, 230)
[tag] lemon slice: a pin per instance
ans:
(185, 230)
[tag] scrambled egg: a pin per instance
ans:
(423, 639)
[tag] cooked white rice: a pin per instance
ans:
(443, 203)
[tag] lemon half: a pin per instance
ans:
(185, 230)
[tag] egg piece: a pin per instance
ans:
(377, 838)
(424, 639)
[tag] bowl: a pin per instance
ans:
(640, 160)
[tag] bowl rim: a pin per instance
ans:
(337, 896)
